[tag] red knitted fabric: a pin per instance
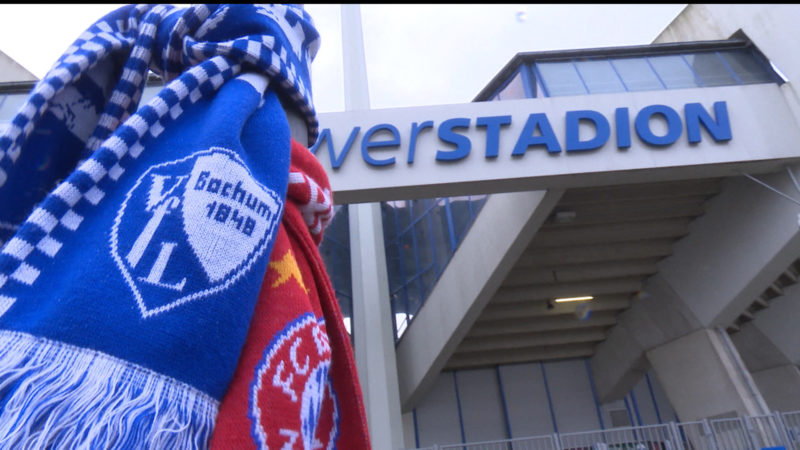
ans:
(295, 385)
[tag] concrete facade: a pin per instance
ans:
(668, 357)
(672, 339)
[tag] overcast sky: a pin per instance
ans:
(416, 54)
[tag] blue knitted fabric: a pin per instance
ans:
(136, 237)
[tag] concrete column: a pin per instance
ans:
(780, 387)
(372, 327)
(703, 376)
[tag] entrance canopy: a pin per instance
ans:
(563, 142)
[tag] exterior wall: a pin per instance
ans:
(519, 400)
(772, 27)
(11, 71)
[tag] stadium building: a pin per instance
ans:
(601, 251)
(660, 181)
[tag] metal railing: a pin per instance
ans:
(774, 431)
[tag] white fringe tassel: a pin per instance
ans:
(54, 395)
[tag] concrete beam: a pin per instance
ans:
(778, 324)
(614, 302)
(780, 387)
(474, 274)
(656, 317)
(559, 337)
(748, 237)
(555, 290)
(542, 324)
(467, 360)
(546, 257)
(703, 376)
(621, 232)
(571, 273)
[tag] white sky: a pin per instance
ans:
(416, 54)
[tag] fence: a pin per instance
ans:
(773, 432)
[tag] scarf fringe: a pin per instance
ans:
(54, 395)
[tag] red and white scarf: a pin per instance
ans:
(295, 386)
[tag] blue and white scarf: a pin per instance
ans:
(136, 238)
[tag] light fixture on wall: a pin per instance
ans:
(584, 298)
(563, 217)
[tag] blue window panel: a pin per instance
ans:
(418, 208)
(528, 81)
(599, 76)
(440, 234)
(515, 89)
(394, 267)
(560, 78)
(747, 67)
(10, 104)
(408, 260)
(711, 69)
(335, 252)
(460, 210)
(422, 233)
(428, 279)
(420, 237)
(477, 203)
(674, 72)
(637, 74)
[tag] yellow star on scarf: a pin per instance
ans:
(287, 268)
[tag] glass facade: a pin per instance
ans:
(420, 238)
(335, 252)
(680, 70)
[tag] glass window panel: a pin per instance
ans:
(711, 69)
(637, 74)
(459, 208)
(673, 71)
(389, 217)
(9, 105)
(335, 252)
(428, 279)
(560, 78)
(393, 268)
(419, 207)
(402, 214)
(424, 248)
(407, 254)
(599, 76)
(414, 296)
(514, 89)
(477, 204)
(441, 236)
(747, 67)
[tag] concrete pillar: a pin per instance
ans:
(372, 327)
(704, 376)
(780, 387)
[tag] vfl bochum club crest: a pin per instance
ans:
(293, 380)
(190, 228)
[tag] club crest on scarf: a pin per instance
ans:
(190, 228)
(293, 380)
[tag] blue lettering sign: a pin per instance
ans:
(545, 137)
(493, 124)
(537, 132)
(446, 134)
(367, 144)
(674, 127)
(602, 130)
